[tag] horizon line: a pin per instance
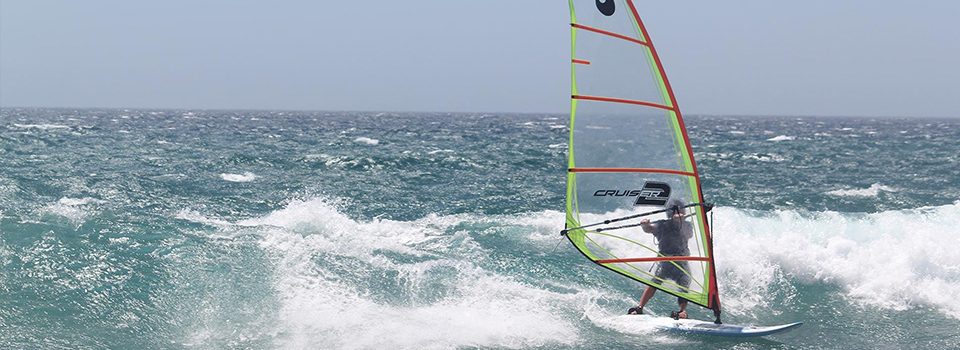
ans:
(471, 112)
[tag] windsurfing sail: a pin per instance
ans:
(630, 154)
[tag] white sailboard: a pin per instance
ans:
(707, 327)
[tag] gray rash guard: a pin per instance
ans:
(673, 237)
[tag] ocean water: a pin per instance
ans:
(175, 229)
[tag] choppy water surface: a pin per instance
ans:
(317, 230)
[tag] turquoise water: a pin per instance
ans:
(167, 229)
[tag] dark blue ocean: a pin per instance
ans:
(193, 229)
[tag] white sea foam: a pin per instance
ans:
(319, 305)
(78, 201)
(442, 297)
(893, 260)
(634, 325)
(782, 138)
(41, 126)
(75, 210)
(245, 177)
(765, 157)
(873, 191)
(367, 141)
(75, 215)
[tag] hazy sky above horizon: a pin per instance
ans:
(823, 58)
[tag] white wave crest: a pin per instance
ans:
(75, 210)
(895, 260)
(367, 140)
(782, 138)
(380, 283)
(245, 177)
(78, 201)
(324, 259)
(41, 126)
(873, 191)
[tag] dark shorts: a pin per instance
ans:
(666, 270)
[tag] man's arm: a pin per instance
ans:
(648, 227)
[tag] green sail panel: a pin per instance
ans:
(629, 152)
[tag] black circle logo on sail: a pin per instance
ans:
(606, 7)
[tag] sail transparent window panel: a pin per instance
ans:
(645, 271)
(617, 69)
(608, 135)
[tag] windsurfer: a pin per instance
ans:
(672, 237)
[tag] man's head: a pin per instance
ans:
(674, 207)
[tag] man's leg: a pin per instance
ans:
(647, 294)
(683, 308)
(685, 282)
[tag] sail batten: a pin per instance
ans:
(622, 100)
(615, 35)
(630, 153)
(662, 258)
(629, 170)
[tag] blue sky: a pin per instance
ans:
(826, 58)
